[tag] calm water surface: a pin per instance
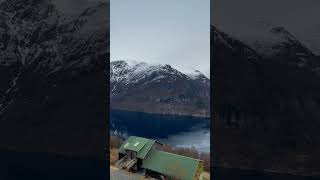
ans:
(178, 131)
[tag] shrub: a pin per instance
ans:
(115, 142)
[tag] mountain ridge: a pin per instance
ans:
(158, 89)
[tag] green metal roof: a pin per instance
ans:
(138, 144)
(171, 164)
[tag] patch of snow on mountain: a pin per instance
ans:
(199, 76)
(268, 40)
(195, 74)
(134, 72)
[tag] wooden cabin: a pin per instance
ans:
(135, 150)
(146, 155)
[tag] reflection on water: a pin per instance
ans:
(198, 138)
(178, 131)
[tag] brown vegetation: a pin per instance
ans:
(113, 156)
(115, 142)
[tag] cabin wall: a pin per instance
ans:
(120, 156)
(131, 154)
(154, 147)
(148, 154)
(158, 146)
(139, 164)
(134, 168)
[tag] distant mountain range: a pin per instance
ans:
(158, 89)
(266, 102)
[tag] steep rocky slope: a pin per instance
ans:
(53, 85)
(266, 103)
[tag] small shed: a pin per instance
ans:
(142, 154)
(134, 150)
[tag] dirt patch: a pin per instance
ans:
(113, 156)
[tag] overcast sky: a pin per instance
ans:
(175, 32)
(242, 18)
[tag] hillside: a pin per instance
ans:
(158, 89)
(52, 76)
(266, 102)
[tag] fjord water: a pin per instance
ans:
(176, 130)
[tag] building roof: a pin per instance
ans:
(171, 164)
(138, 144)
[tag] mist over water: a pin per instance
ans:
(200, 139)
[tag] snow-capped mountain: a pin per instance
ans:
(273, 43)
(35, 35)
(52, 75)
(165, 89)
(227, 43)
(277, 41)
(197, 75)
(36, 32)
(279, 44)
(267, 68)
(141, 72)
(266, 90)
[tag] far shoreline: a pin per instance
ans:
(169, 114)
